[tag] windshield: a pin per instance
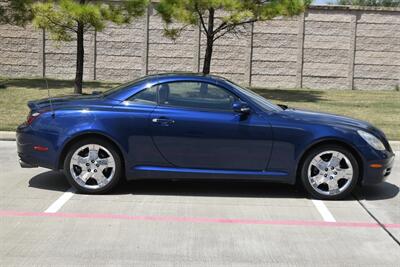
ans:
(261, 101)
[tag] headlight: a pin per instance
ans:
(371, 140)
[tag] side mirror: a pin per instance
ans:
(241, 107)
(284, 107)
(96, 92)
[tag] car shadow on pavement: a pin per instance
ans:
(50, 180)
(56, 181)
(380, 191)
(208, 188)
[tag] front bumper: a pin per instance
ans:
(375, 175)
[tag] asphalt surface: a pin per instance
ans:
(202, 223)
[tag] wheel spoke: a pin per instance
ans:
(80, 161)
(93, 153)
(102, 161)
(335, 159)
(345, 173)
(319, 163)
(101, 168)
(333, 186)
(318, 179)
(100, 178)
(85, 175)
(105, 163)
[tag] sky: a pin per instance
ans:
(319, 2)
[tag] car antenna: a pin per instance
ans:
(51, 103)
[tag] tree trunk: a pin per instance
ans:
(208, 55)
(210, 42)
(80, 53)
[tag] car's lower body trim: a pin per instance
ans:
(26, 165)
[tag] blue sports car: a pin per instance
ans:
(189, 126)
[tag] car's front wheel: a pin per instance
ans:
(330, 172)
(93, 166)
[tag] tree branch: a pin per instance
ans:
(229, 27)
(201, 19)
(220, 27)
(61, 25)
(177, 33)
(87, 27)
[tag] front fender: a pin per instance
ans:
(293, 138)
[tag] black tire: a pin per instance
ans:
(111, 149)
(307, 161)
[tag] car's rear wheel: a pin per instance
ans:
(330, 172)
(93, 166)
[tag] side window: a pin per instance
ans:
(146, 96)
(195, 95)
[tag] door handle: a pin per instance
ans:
(163, 121)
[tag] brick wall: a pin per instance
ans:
(19, 51)
(327, 47)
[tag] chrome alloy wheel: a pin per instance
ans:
(92, 166)
(330, 173)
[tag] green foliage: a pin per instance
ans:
(219, 17)
(172, 33)
(231, 12)
(61, 18)
(16, 12)
(66, 19)
(385, 3)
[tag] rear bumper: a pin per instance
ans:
(24, 164)
(378, 175)
(28, 157)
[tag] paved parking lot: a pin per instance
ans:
(167, 223)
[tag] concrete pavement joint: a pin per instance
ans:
(383, 226)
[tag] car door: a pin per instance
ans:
(131, 125)
(194, 126)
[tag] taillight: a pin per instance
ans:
(31, 117)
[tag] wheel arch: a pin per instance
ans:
(331, 141)
(81, 136)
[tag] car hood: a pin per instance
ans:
(332, 119)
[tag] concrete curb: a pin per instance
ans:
(7, 136)
(395, 145)
(10, 136)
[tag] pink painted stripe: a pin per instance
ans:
(9, 213)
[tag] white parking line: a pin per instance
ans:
(323, 210)
(60, 201)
